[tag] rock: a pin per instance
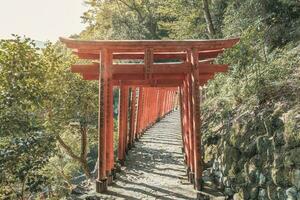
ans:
(216, 165)
(226, 181)
(237, 196)
(78, 190)
(261, 179)
(291, 129)
(92, 198)
(230, 158)
(253, 192)
(271, 191)
(206, 173)
(243, 194)
(206, 179)
(257, 160)
(218, 174)
(280, 176)
(228, 191)
(278, 161)
(291, 193)
(250, 170)
(262, 194)
(296, 178)
(278, 139)
(280, 193)
(262, 144)
(292, 158)
(251, 149)
(240, 179)
(210, 153)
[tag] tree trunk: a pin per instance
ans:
(84, 151)
(82, 159)
(86, 169)
(68, 149)
(207, 16)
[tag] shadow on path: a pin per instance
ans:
(154, 169)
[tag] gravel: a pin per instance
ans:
(154, 168)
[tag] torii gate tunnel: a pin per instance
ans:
(153, 78)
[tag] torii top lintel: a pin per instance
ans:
(149, 63)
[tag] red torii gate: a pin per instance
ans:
(150, 87)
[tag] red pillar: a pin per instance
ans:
(126, 120)
(109, 118)
(140, 113)
(101, 183)
(196, 120)
(145, 110)
(182, 118)
(123, 110)
(132, 117)
(186, 126)
(190, 125)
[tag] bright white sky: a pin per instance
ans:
(41, 19)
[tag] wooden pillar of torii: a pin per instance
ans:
(148, 91)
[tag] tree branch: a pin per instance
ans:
(207, 16)
(68, 149)
(84, 141)
(134, 8)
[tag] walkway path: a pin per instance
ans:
(154, 168)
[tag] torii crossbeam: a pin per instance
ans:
(154, 77)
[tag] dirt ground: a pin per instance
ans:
(154, 169)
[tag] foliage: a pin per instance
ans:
(42, 103)
(26, 145)
(251, 112)
(71, 113)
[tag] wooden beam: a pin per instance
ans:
(170, 68)
(159, 69)
(128, 68)
(210, 53)
(94, 55)
(85, 68)
(143, 44)
(212, 68)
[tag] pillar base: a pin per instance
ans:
(200, 196)
(185, 160)
(121, 162)
(188, 170)
(192, 177)
(114, 173)
(110, 179)
(198, 184)
(117, 168)
(101, 186)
